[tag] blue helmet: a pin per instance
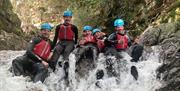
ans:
(85, 28)
(96, 30)
(46, 26)
(118, 22)
(67, 13)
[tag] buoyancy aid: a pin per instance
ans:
(42, 49)
(88, 39)
(66, 32)
(100, 44)
(124, 43)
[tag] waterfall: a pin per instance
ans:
(123, 82)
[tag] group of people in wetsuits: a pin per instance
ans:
(42, 53)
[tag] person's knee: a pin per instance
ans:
(45, 70)
(58, 49)
(39, 67)
(15, 62)
(41, 75)
(17, 67)
(69, 49)
(99, 74)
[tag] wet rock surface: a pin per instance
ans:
(168, 37)
(11, 36)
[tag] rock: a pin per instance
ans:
(10, 41)
(150, 36)
(11, 35)
(167, 36)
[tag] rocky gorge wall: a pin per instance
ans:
(159, 19)
(11, 36)
(167, 36)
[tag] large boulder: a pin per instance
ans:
(167, 36)
(11, 35)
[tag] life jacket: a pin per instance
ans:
(100, 44)
(124, 45)
(42, 49)
(66, 32)
(88, 39)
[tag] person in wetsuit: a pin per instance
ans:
(66, 36)
(34, 62)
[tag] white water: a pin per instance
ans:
(125, 82)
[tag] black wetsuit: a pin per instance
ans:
(29, 64)
(89, 49)
(110, 45)
(63, 47)
(136, 51)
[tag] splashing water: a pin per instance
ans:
(123, 82)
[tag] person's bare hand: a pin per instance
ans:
(50, 55)
(81, 42)
(45, 64)
(120, 42)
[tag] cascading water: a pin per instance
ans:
(123, 82)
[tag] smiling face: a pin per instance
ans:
(136, 40)
(67, 19)
(45, 33)
(88, 32)
(120, 29)
(97, 34)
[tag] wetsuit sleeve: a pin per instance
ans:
(55, 37)
(112, 38)
(30, 48)
(105, 37)
(75, 30)
(129, 41)
(51, 43)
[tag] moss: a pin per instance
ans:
(10, 28)
(159, 3)
(3, 44)
(136, 32)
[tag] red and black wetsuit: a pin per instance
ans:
(88, 42)
(113, 39)
(67, 36)
(62, 35)
(112, 45)
(38, 50)
(101, 43)
(38, 47)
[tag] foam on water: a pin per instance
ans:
(124, 82)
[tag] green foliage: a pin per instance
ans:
(136, 32)
(87, 11)
(159, 2)
(171, 15)
(98, 13)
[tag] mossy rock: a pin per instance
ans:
(10, 41)
(11, 34)
(168, 30)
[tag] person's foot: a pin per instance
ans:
(66, 66)
(99, 74)
(98, 84)
(67, 82)
(134, 72)
(60, 64)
